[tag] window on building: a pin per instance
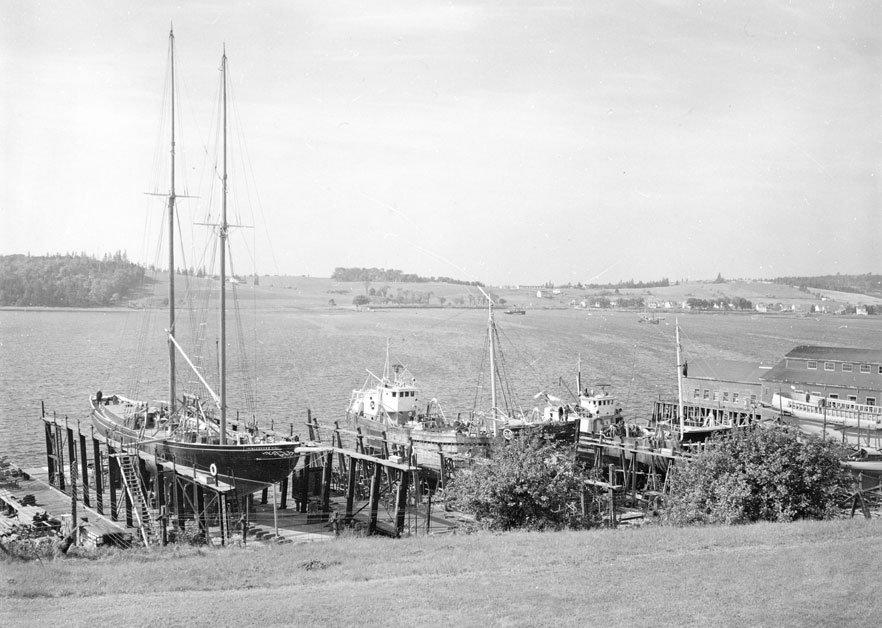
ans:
(871, 401)
(716, 395)
(725, 396)
(734, 397)
(812, 365)
(706, 394)
(696, 393)
(816, 393)
(394, 394)
(833, 396)
(865, 368)
(852, 398)
(829, 366)
(847, 367)
(753, 400)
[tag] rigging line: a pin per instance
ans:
(632, 382)
(246, 373)
(480, 383)
(506, 382)
(530, 361)
(701, 358)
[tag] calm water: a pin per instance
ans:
(313, 359)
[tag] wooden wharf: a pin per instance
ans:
(628, 474)
(128, 495)
(700, 412)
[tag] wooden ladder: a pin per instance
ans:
(135, 490)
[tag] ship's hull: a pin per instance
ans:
(247, 467)
(867, 467)
(445, 440)
(839, 423)
(453, 442)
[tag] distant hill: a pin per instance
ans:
(868, 284)
(67, 280)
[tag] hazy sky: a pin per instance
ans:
(512, 142)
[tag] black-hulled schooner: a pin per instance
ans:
(188, 430)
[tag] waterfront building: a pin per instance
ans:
(832, 372)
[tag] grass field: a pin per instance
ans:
(801, 574)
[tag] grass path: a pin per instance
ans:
(803, 574)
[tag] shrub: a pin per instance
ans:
(526, 483)
(757, 474)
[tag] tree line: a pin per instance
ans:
(392, 275)
(734, 303)
(664, 282)
(70, 280)
(868, 284)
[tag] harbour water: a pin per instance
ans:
(314, 358)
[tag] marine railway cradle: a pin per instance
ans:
(99, 491)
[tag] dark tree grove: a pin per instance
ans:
(392, 275)
(67, 280)
(870, 284)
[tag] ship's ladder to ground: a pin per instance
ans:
(135, 489)
(234, 515)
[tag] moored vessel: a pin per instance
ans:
(829, 417)
(188, 430)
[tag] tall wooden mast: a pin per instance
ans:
(223, 276)
(491, 335)
(171, 236)
(679, 381)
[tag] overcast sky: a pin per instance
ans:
(512, 142)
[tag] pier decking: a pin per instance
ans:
(127, 495)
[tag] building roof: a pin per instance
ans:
(799, 374)
(793, 369)
(726, 371)
(836, 354)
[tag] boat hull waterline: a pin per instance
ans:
(247, 466)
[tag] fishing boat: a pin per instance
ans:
(516, 310)
(691, 424)
(388, 406)
(829, 417)
(189, 430)
(652, 319)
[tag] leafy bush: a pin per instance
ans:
(526, 483)
(757, 474)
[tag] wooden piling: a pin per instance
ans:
(374, 504)
(401, 502)
(283, 489)
(327, 474)
(350, 490)
(84, 469)
(304, 483)
(98, 467)
(611, 495)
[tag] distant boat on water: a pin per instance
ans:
(515, 310)
(188, 430)
(652, 319)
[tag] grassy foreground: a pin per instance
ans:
(801, 574)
